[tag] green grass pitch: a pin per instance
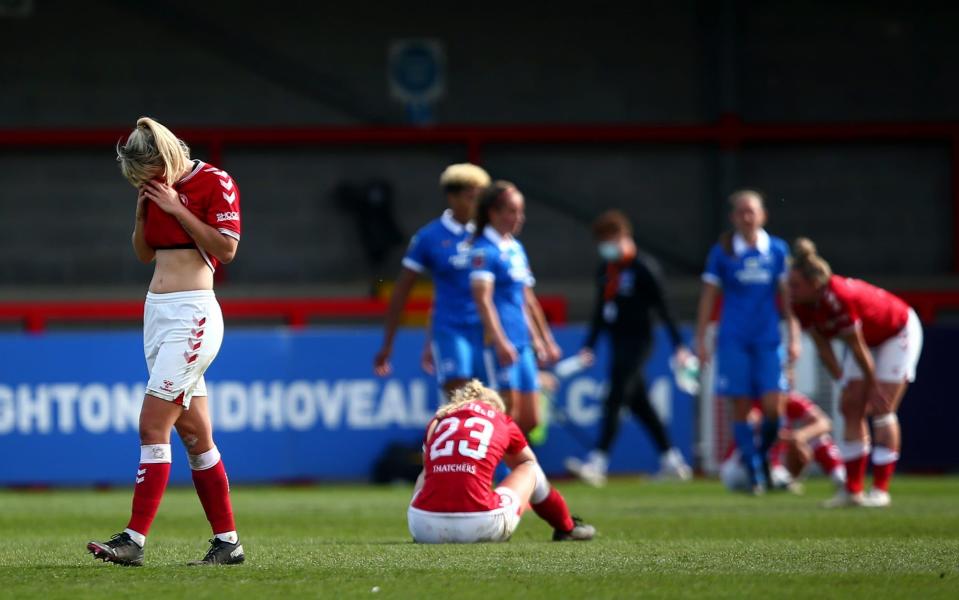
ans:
(656, 540)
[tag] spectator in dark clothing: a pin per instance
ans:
(629, 290)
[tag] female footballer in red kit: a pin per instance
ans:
(454, 500)
(187, 222)
(883, 339)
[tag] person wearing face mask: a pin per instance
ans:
(629, 291)
(750, 267)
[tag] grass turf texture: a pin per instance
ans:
(656, 540)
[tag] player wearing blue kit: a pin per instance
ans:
(516, 335)
(442, 247)
(749, 266)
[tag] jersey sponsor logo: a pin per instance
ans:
(518, 269)
(753, 272)
(455, 468)
(461, 259)
(227, 216)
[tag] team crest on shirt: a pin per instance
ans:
(184, 200)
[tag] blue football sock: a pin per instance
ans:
(746, 443)
(768, 434)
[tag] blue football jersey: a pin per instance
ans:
(749, 278)
(442, 247)
(504, 262)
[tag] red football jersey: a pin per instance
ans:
(798, 409)
(211, 195)
(460, 456)
(846, 303)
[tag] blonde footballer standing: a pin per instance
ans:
(187, 222)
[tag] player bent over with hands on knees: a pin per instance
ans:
(187, 222)
(454, 500)
(883, 336)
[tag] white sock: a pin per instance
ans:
(541, 488)
(229, 537)
(136, 536)
(838, 475)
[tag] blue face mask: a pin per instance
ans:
(609, 251)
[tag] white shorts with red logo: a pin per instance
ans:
(895, 359)
(182, 333)
(495, 525)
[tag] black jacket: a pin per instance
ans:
(626, 296)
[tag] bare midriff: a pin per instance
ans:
(180, 270)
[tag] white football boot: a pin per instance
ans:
(592, 471)
(844, 499)
(877, 499)
(672, 465)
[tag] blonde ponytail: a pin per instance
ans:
(472, 391)
(807, 261)
(150, 151)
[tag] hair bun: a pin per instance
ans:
(804, 248)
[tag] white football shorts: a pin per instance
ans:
(895, 359)
(495, 525)
(182, 333)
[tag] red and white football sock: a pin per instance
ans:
(856, 456)
(213, 488)
(554, 511)
(883, 465)
(827, 456)
(152, 477)
(549, 504)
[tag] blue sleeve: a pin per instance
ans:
(482, 263)
(417, 256)
(713, 272)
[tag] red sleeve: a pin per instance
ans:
(517, 441)
(797, 408)
(223, 212)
